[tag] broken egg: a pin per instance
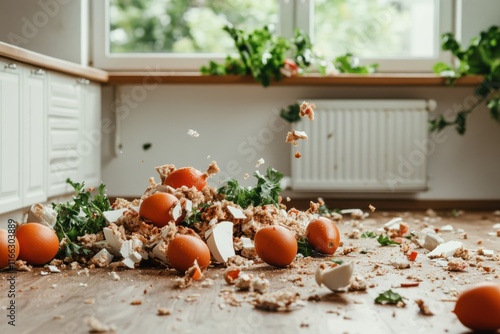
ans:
(220, 241)
(336, 277)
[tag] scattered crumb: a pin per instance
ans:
(424, 309)
(372, 208)
(89, 301)
(278, 301)
(163, 311)
(115, 276)
(193, 133)
(259, 162)
(136, 302)
(297, 155)
(98, 327)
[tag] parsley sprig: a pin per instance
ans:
(390, 297)
(267, 190)
(82, 215)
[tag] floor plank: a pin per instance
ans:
(59, 303)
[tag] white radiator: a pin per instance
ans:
(363, 145)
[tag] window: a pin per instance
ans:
(400, 35)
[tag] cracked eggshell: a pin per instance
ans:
(113, 240)
(113, 215)
(431, 241)
(236, 213)
(445, 250)
(159, 252)
(42, 214)
(335, 278)
(220, 241)
(104, 254)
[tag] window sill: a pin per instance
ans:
(378, 79)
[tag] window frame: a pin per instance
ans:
(293, 13)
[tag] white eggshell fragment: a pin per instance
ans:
(236, 213)
(445, 250)
(220, 241)
(335, 278)
(42, 214)
(113, 215)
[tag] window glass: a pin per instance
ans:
(376, 28)
(183, 26)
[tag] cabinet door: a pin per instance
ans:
(90, 144)
(34, 132)
(63, 137)
(10, 137)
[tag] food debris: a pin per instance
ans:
(295, 135)
(424, 309)
(456, 264)
(372, 208)
(278, 301)
(136, 302)
(307, 109)
(193, 133)
(161, 311)
(297, 155)
(259, 162)
(98, 327)
(115, 276)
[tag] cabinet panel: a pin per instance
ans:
(10, 138)
(34, 134)
(64, 124)
(91, 135)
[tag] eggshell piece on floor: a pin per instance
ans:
(113, 215)
(445, 250)
(335, 278)
(220, 241)
(236, 213)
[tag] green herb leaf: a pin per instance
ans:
(339, 262)
(384, 240)
(481, 57)
(305, 248)
(368, 234)
(291, 113)
(267, 190)
(82, 215)
(390, 297)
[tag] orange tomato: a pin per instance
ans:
(276, 245)
(38, 243)
(478, 307)
(157, 208)
(323, 234)
(9, 250)
(183, 250)
(187, 176)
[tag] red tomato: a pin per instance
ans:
(38, 243)
(323, 234)
(187, 176)
(183, 250)
(157, 208)
(276, 245)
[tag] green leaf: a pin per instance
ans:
(266, 191)
(494, 107)
(384, 240)
(390, 297)
(82, 215)
(368, 234)
(304, 247)
(291, 113)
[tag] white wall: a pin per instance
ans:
(228, 117)
(52, 27)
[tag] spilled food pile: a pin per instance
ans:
(182, 222)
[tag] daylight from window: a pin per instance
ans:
(375, 28)
(183, 26)
(366, 28)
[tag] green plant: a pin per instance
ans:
(481, 57)
(266, 191)
(264, 55)
(82, 215)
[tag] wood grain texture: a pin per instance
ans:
(378, 79)
(51, 63)
(45, 308)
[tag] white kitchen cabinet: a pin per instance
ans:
(74, 133)
(90, 147)
(10, 136)
(34, 132)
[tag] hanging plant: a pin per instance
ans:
(481, 57)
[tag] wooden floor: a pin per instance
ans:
(59, 303)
